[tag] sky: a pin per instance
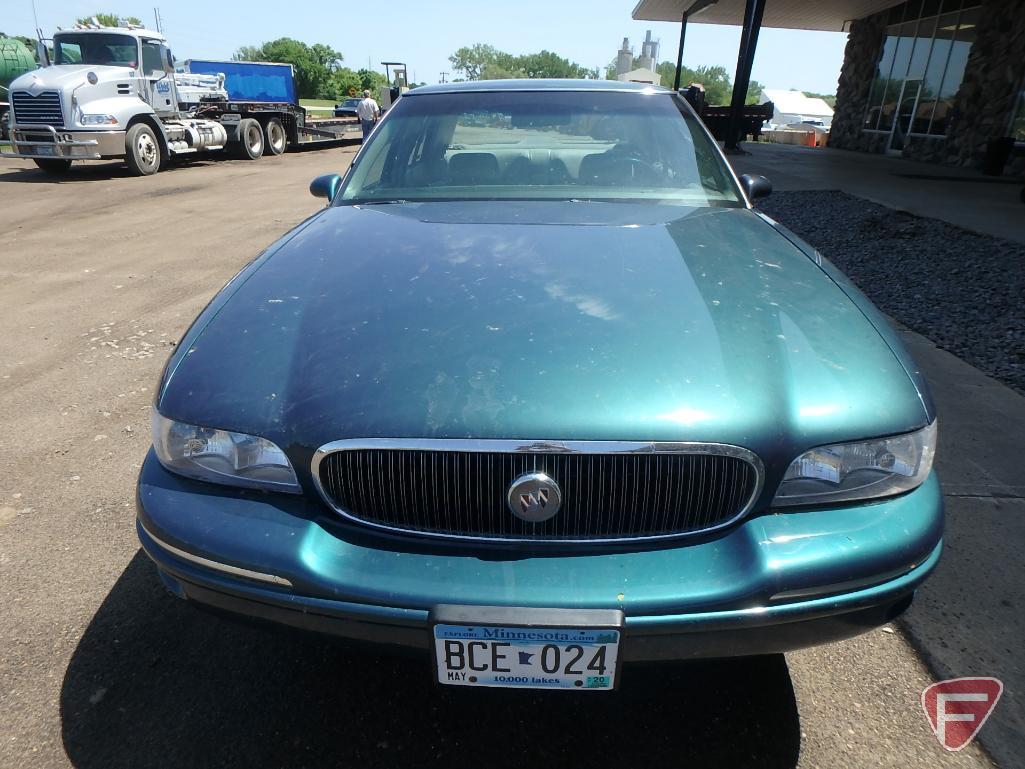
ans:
(425, 34)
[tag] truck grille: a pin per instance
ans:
(610, 491)
(44, 109)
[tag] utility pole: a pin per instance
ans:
(444, 75)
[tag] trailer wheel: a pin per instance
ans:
(275, 135)
(142, 150)
(250, 140)
(53, 166)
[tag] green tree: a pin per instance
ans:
(248, 53)
(666, 69)
(314, 65)
(371, 80)
(716, 81)
(485, 62)
(549, 65)
(110, 20)
(345, 81)
(754, 92)
(471, 60)
(496, 71)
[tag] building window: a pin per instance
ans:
(921, 65)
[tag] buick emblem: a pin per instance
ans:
(534, 497)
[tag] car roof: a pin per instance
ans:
(481, 86)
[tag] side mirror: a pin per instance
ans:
(325, 186)
(42, 53)
(756, 186)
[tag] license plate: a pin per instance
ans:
(42, 149)
(520, 657)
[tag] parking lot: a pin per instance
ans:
(100, 274)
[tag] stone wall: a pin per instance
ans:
(861, 55)
(981, 110)
(996, 66)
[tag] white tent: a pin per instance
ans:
(795, 107)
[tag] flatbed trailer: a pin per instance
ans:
(300, 129)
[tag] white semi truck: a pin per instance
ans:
(112, 93)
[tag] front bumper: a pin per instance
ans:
(770, 584)
(44, 142)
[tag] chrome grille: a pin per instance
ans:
(610, 491)
(44, 109)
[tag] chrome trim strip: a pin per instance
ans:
(849, 586)
(217, 566)
(474, 445)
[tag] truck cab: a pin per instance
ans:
(81, 104)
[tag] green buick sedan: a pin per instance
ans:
(538, 394)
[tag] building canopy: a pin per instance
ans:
(825, 15)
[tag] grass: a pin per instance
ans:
(317, 103)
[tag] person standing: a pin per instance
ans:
(368, 113)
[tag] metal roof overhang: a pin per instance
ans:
(824, 15)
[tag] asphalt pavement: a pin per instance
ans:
(100, 274)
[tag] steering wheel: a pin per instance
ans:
(642, 169)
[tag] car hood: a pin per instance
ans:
(566, 320)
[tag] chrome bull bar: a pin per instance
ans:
(62, 147)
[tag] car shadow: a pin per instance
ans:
(155, 683)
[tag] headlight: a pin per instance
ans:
(223, 457)
(864, 470)
(98, 120)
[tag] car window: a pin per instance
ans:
(541, 145)
(152, 61)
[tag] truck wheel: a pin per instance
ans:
(4, 128)
(54, 166)
(250, 140)
(274, 133)
(142, 150)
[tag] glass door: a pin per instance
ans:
(907, 108)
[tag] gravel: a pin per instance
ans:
(962, 290)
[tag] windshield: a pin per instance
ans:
(544, 145)
(93, 48)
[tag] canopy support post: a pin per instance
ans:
(679, 54)
(745, 60)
